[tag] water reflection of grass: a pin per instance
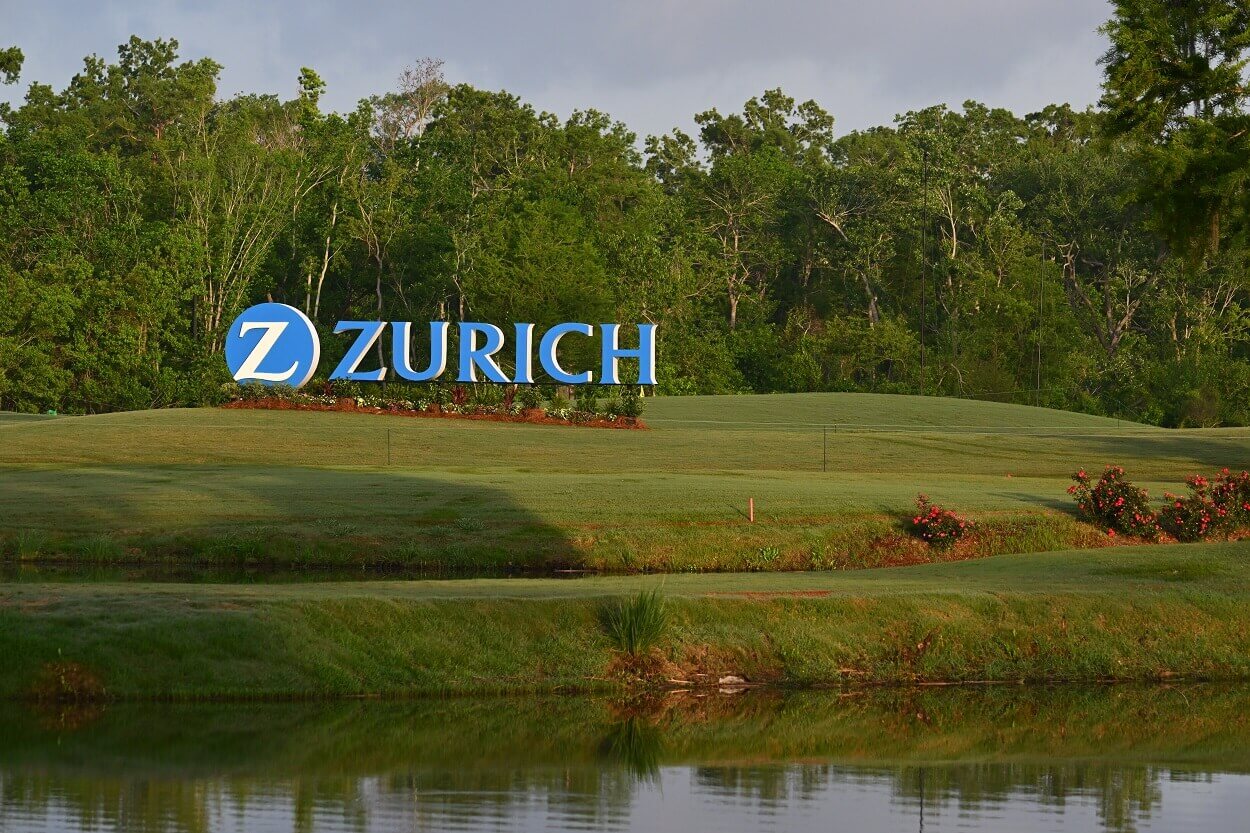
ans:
(1192, 725)
(636, 744)
(145, 767)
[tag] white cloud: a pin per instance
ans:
(650, 63)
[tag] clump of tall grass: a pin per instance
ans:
(468, 523)
(29, 543)
(101, 548)
(636, 624)
(336, 528)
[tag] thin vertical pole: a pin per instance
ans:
(824, 452)
(922, 800)
(751, 510)
(1041, 273)
(924, 256)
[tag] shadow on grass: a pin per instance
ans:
(274, 517)
(1067, 507)
(1204, 450)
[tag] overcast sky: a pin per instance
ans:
(651, 63)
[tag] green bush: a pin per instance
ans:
(560, 406)
(631, 402)
(251, 392)
(637, 624)
(440, 394)
(529, 397)
(486, 395)
(586, 399)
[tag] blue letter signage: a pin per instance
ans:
(272, 344)
(276, 344)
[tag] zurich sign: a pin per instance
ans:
(277, 344)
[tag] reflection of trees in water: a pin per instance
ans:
(593, 797)
(766, 785)
(190, 806)
(599, 796)
(1124, 795)
(482, 762)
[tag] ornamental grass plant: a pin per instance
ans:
(635, 624)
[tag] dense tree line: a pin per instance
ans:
(1092, 260)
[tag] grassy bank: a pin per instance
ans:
(831, 475)
(469, 544)
(1124, 614)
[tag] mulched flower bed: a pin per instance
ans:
(534, 416)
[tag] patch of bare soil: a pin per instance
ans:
(67, 682)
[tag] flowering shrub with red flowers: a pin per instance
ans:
(1193, 517)
(1114, 503)
(940, 527)
(1211, 506)
(1231, 492)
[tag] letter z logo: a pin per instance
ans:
(272, 344)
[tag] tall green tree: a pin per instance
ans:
(1175, 79)
(11, 59)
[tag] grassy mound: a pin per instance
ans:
(830, 475)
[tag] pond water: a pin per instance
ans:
(1002, 759)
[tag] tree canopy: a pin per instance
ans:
(1093, 260)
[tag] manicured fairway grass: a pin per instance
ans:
(1127, 614)
(218, 486)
